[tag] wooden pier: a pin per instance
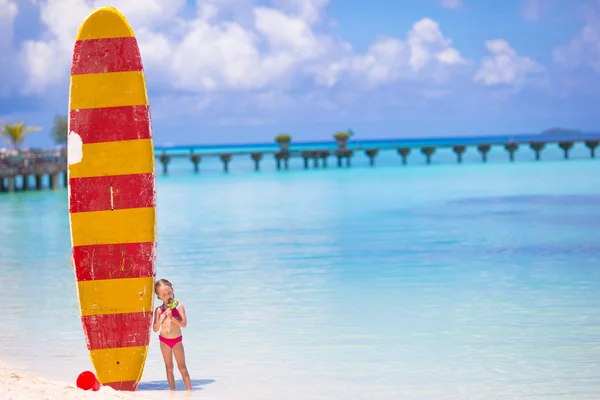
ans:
(18, 168)
(318, 158)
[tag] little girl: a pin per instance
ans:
(170, 323)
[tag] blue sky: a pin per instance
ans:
(241, 71)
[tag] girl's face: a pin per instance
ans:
(165, 293)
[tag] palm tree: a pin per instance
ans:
(60, 128)
(16, 133)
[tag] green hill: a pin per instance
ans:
(554, 131)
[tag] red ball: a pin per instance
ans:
(87, 380)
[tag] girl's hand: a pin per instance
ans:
(168, 313)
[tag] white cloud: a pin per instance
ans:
(263, 48)
(308, 10)
(47, 61)
(385, 61)
(390, 59)
(504, 65)
(452, 4)
(8, 12)
(426, 41)
(287, 34)
(584, 48)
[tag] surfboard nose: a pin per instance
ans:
(104, 22)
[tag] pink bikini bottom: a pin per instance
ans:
(170, 342)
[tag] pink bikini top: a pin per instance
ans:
(174, 312)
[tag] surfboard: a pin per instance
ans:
(112, 197)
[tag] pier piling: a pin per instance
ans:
(372, 153)
(283, 155)
(25, 185)
(511, 148)
(428, 152)
(195, 159)
(459, 150)
(537, 147)
(344, 153)
(54, 181)
(484, 149)
(11, 185)
(566, 146)
(165, 160)
(592, 144)
(324, 154)
(226, 158)
(306, 155)
(256, 157)
(315, 156)
(404, 152)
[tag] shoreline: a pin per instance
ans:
(18, 384)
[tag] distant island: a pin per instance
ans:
(554, 131)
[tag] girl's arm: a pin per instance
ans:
(158, 319)
(181, 322)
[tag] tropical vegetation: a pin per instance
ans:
(283, 138)
(341, 136)
(16, 133)
(60, 130)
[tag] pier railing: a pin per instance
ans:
(28, 166)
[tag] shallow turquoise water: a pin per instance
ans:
(426, 282)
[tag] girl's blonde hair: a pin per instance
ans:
(161, 282)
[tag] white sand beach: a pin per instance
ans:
(19, 385)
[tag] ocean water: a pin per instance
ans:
(442, 281)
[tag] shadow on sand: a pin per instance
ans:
(164, 385)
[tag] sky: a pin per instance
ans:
(242, 71)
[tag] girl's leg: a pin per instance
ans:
(180, 358)
(167, 353)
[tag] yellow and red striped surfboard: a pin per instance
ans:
(112, 197)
